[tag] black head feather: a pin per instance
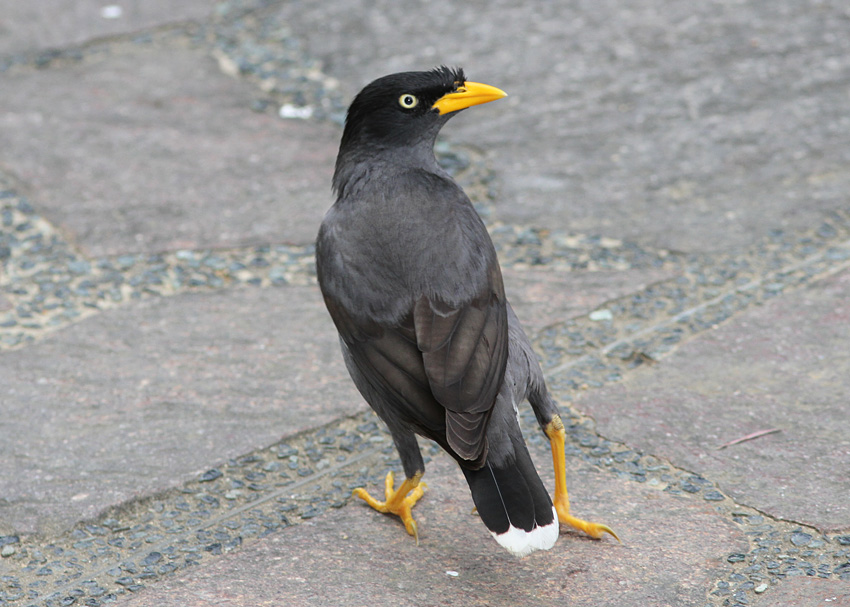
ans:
(377, 118)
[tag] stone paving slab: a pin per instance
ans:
(355, 556)
(137, 399)
(32, 26)
(152, 148)
(782, 365)
(691, 128)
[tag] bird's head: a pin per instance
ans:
(409, 108)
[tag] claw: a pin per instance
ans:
(594, 530)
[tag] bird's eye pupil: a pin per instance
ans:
(408, 101)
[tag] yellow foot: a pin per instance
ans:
(594, 530)
(398, 502)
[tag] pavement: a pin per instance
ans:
(666, 185)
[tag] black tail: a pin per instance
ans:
(513, 503)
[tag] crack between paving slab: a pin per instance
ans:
(718, 487)
(52, 57)
(288, 488)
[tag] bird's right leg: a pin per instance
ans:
(557, 437)
(401, 501)
(550, 422)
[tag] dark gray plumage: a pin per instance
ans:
(411, 279)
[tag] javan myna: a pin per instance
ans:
(411, 279)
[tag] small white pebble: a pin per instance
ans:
(610, 243)
(760, 588)
(452, 573)
(226, 64)
(111, 11)
(8, 550)
(287, 110)
(601, 315)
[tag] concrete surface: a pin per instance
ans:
(155, 145)
(667, 186)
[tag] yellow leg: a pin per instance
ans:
(398, 502)
(557, 436)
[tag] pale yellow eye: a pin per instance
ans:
(408, 101)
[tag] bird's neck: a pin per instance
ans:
(357, 164)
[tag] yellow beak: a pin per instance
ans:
(471, 93)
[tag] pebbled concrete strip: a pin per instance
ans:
(781, 365)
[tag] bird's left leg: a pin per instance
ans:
(397, 501)
(401, 501)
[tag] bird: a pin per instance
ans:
(412, 282)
